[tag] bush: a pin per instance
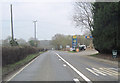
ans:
(13, 54)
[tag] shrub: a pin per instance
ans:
(13, 54)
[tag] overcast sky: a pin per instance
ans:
(52, 18)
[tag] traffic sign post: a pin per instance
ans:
(114, 52)
(74, 42)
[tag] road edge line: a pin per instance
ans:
(21, 69)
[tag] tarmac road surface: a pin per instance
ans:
(64, 66)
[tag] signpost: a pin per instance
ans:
(74, 42)
(89, 37)
(114, 52)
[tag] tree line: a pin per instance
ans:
(20, 42)
(56, 41)
(63, 40)
(102, 20)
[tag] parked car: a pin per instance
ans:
(82, 47)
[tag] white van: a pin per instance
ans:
(82, 47)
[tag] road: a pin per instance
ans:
(65, 66)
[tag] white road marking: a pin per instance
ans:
(22, 69)
(59, 59)
(92, 71)
(98, 71)
(114, 69)
(76, 80)
(109, 71)
(103, 71)
(78, 72)
(64, 65)
(106, 72)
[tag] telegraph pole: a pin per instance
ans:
(35, 28)
(35, 32)
(11, 22)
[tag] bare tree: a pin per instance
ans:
(22, 41)
(60, 39)
(83, 16)
(6, 42)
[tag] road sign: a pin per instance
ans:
(67, 46)
(74, 41)
(74, 36)
(114, 52)
(60, 46)
(88, 37)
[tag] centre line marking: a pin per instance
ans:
(76, 80)
(78, 72)
(64, 65)
(59, 59)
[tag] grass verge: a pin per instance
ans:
(12, 67)
(105, 56)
